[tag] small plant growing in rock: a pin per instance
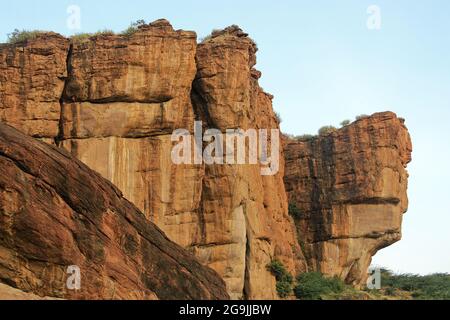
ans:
(294, 211)
(284, 279)
(326, 130)
(133, 28)
(345, 123)
(23, 35)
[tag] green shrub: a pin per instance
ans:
(304, 137)
(345, 123)
(294, 211)
(313, 286)
(82, 37)
(284, 278)
(23, 35)
(133, 28)
(326, 130)
(430, 287)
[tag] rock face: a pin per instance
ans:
(114, 101)
(55, 212)
(31, 82)
(249, 210)
(350, 191)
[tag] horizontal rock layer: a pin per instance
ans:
(113, 102)
(350, 188)
(55, 212)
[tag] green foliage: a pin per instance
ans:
(133, 28)
(345, 123)
(23, 35)
(284, 278)
(294, 211)
(326, 130)
(430, 287)
(314, 286)
(304, 137)
(82, 37)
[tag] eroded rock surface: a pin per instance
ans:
(351, 191)
(55, 212)
(114, 101)
(32, 76)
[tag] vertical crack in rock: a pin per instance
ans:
(114, 101)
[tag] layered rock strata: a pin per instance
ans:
(350, 190)
(56, 213)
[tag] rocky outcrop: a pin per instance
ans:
(55, 212)
(113, 102)
(31, 83)
(248, 209)
(122, 98)
(349, 189)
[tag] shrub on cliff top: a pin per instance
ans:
(326, 130)
(23, 35)
(81, 37)
(304, 137)
(345, 123)
(133, 28)
(313, 286)
(284, 278)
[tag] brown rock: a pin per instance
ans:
(56, 212)
(31, 84)
(245, 213)
(350, 187)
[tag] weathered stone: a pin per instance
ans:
(32, 77)
(245, 213)
(350, 188)
(55, 212)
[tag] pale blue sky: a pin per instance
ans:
(323, 65)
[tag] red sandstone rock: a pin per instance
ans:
(56, 212)
(350, 187)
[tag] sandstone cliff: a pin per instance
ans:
(113, 102)
(349, 188)
(55, 212)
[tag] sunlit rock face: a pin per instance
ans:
(350, 187)
(113, 101)
(31, 83)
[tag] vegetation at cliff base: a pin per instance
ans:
(314, 286)
(284, 279)
(429, 287)
(18, 36)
